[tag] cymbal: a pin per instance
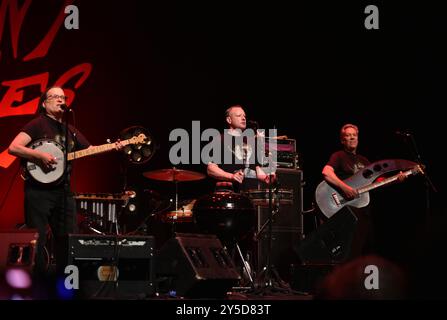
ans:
(174, 175)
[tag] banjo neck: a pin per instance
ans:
(94, 150)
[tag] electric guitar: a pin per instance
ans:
(330, 201)
(56, 171)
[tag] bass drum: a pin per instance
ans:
(230, 216)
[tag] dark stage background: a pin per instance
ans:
(304, 69)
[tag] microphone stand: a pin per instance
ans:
(65, 192)
(428, 182)
(66, 182)
(269, 280)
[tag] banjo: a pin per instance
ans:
(55, 172)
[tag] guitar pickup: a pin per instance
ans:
(336, 199)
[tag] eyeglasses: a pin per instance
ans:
(55, 96)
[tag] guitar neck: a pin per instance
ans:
(382, 183)
(94, 150)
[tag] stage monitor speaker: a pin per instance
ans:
(287, 225)
(195, 266)
(18, 249)
(112, 266)
(331, 242)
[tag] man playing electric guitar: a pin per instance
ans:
(342, 165)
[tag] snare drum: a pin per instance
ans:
(261, 197)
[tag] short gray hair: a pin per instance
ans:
(346, 126)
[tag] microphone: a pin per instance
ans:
(403, 134)
(64, 107)
(253, 125)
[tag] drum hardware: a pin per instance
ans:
(174, 175)
(183, 214)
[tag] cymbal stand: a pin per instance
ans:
(174, 219)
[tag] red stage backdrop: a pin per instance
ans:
(36, 52)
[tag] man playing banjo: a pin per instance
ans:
(44, 202)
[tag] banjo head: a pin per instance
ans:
(51, 175)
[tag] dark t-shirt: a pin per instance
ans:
(346, 164)
(237, 154)
(44, 127)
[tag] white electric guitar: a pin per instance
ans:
(56, 171)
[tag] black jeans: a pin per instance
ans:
(45, 207)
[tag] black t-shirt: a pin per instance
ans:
(346, 164)
(237, 154)
(44, 127)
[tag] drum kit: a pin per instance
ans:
(230, 216)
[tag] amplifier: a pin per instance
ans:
(286, 153)
(112, 266)
(287, 224)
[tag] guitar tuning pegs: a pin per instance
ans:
(109, 141)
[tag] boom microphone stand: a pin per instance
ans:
(269, 280)
(428, 183)
(66, 183)
(56, 255)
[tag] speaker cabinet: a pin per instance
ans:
(333, 241)
(112, 266)
(18, 249)
(195, 265)
(287, 225)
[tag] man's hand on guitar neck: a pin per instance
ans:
(118, 145)
(401, 177)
